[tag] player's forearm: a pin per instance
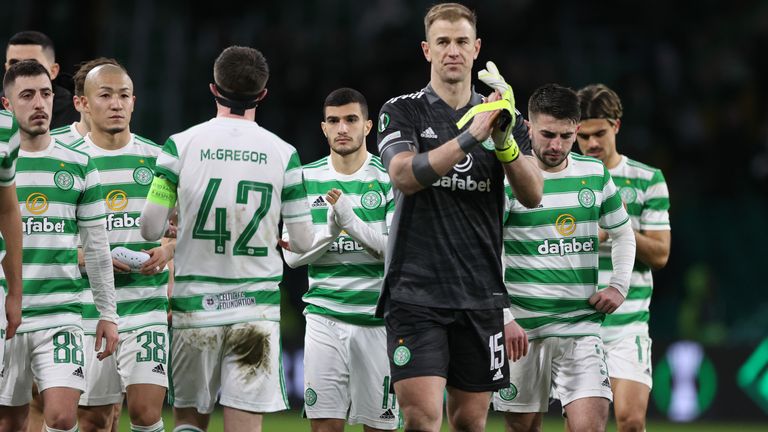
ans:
(374, 242)
(321, 241)
(161, 201)
(653, 248)
(411, 172)
(622, 257)
(98, 265)
(526, 181)
(10, 226)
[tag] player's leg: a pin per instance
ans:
(581, 381)
(58, 361)
(117, 410)
(373, 402)
(326, 373)
(527, 396)
(102, 391)
(196, 375)
(478, 366)
(418, 351)
(35, 417)
(16, 384)
(629, 366)
(252, 381)
(143, 365)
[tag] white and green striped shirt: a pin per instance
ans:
(59, 191)
(345, 282)
(126, 175)
(66, 135)
(9, 153)
(235, 180)
(644, 192)
(550, 252)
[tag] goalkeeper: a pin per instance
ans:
(447, 154)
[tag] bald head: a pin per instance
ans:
(107, 74)
(108, 98)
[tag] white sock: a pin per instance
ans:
(75, 428)
(187, 428)
(157, 427)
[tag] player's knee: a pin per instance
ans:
(630, 422)
(62, 420)
(421, 419)
(516, 422)
(93, 420)
(144, 412)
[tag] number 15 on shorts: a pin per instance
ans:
(496, 344)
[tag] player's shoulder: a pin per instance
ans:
(69, 154)
(318, 165)
(61, 130)
(642, 168)
(587, 163)
(377, 166)
(6, 119)
(405, 102)
(147, 146)
(79, 144)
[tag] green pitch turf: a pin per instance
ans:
(290, 422)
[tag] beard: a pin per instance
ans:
(551, 160)
(34, 131)
(347, 148)
(114, 130)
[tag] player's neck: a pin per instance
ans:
(613, 161)
(456, 94)
(222, 111)
(109, 141)
(82, 128)
(546, 168)
(34, 143)
(350, 163)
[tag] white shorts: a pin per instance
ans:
(346, 373)
(141, 358)
(570, 367)
(630, 358)
(241, 363)
(52, 357)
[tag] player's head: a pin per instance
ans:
(240, 77)
(345, 121)
(451, 44)
(554, 119)
(108, 98)
(29, 96)
(32, 45)
(79, 78)
(601, 113)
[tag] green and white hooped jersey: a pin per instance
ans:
(59, 191)
(234, 181)
(550, 252)
(644, 192)
(9, 153)
(67, 135)
(345, 282)
(126, 175)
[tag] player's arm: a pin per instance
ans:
(10, 226)
(654, 238)
(324, 236)
(522, 173)
(158, 208)
(653, 247)
(374, 242)
(411, 172)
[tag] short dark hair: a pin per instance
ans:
(26, 68)
(241, 70)
(555, 100)
(346, 95)
(85, 67)
(450, 12)
(599, 102)
(31, 37)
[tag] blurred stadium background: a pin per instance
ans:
(692, 76)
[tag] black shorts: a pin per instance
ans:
(464, 346)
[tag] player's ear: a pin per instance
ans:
(617, 126)
(212, 87)
(261, 95)
(425, 50)
(323, 126)
(478, 42)
(55, 71)
(530, 129)
(6, 103)
(368, 126)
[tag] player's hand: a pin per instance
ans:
(602, 235)
(516, 341)
(482, 124)
(108, 331)
(158, 258)
(333, 227)
(120, 267)
(607, 300)
(342, 207)
(284, 244)
(12, 314)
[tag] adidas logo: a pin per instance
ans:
(319, 202)
(498, 375)
(647, 372)
(428, 133)
(388, 415)
(2, 373)
(159, 369)
(606, 383)
(78, 373)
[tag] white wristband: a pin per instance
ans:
(508, 317)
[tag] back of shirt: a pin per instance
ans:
(234, 181)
